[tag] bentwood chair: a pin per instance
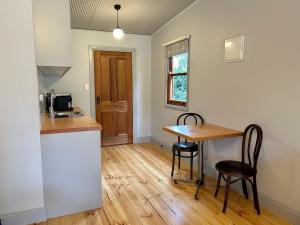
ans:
(245, 169)
(190, 149)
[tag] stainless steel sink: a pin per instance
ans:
(72, 114)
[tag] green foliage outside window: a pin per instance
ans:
(180, 65)
(180, 88)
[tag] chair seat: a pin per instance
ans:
(235, 168)
(185, 146)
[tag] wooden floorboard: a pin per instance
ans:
(137, 190)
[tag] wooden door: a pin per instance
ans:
(113, 89)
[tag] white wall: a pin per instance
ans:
(21, 185)
(73, 81)
(263, 89)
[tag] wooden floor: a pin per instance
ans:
(137, 190)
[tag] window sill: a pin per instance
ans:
(177, 107)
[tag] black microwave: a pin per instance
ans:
(62, 102)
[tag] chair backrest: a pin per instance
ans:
(182, 120)
(252, 140)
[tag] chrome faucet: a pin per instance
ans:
(51, 109)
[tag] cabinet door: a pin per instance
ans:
(71, 172)
(52, 32)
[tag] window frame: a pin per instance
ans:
(173, 104)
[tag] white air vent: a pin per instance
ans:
(234, 49)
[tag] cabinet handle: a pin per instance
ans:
(98, 100)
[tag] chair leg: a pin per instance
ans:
(255, 196)
(179, 159)
(226, 193)
(218, 185)
(191, 167)
(173, 164)
(197, 191)
(244, 185)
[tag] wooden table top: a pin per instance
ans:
(66, 125)
(202, 132)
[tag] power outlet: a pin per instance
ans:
(41, 97)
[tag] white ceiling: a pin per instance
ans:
(135, 16)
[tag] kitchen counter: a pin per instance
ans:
(71, 162)
(66, 125)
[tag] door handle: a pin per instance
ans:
(98, 100)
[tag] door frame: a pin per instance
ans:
(92, 48)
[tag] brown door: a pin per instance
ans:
(113, 89)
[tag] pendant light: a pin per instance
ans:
(118, 32)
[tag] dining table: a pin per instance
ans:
(199, 133)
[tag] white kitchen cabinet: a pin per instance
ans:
(52, 36)
(71, 172)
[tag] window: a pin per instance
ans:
(177, 74)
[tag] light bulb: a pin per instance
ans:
(228, 44)
(118, 33)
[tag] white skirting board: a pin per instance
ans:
(138, 140)
(265, 201)
(26, 217)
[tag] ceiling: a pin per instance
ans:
(135, 16)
